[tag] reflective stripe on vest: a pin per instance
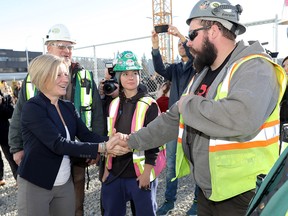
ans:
(84, 78)
(31, 90)
(137, 123)
(235, 165)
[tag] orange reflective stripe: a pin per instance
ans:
(270, 124)
(231, 74)
(179, 140)
(244, 145)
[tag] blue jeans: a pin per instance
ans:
(171, 187)
(117, 193)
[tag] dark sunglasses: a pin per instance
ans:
(194, 33)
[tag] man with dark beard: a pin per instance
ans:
(228, 117)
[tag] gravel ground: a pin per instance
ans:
(8, 194)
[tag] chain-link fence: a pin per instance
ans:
(96, 64)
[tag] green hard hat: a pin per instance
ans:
(127, 61)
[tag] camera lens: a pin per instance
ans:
(109, 86)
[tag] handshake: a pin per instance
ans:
(117, 144)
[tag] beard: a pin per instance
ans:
(205, 57)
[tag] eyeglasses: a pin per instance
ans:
(194, 33)
(63, 47)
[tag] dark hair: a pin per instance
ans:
(226, 33)
(167, 84)
(284, 61)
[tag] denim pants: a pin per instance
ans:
(116, 194)
(171, 187)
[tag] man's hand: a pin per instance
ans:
(117, 144)
(172, 30)
(155, 40)
(18, 156)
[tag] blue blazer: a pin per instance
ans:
(45, 141)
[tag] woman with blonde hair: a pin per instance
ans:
(49, 128)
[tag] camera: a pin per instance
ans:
(109, 85)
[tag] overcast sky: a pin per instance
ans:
(25, 22)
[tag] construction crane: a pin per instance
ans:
(162, 15)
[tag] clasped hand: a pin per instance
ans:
(117, 144)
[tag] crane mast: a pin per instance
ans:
(162, 15)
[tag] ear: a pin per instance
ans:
(49, 48)
(214, 31)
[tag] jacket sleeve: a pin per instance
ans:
(35, 121)
(159, 67)
(188, 53)
(158, 132)
(15, 137)
(151, 154)
(252, 97)
(83, 133)
(98, 125)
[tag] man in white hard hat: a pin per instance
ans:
(82, 90)
(228, 116)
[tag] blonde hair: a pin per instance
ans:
(44, 69)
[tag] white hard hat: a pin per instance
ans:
(59, 32)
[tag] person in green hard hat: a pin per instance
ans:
(135, 173)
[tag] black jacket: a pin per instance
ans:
(44, 139)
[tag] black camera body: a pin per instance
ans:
(109, 85)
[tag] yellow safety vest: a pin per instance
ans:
(83, 79)
(137, 123)
(235, 165)
(31, 90)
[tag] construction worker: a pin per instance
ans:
(82, 91)
(227, 118)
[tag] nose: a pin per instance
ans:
(189, 43)
(130, 76)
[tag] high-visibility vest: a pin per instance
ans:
(83, 101)
(234, 165)
(31, 90)
(137, 123)
(82, 98)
